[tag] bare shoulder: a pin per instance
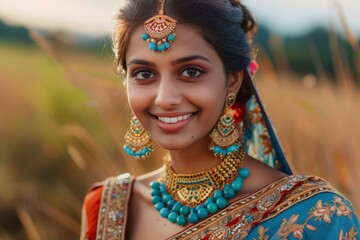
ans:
(147, 178)
(142, 183)
(261, 175)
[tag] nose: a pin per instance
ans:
(168, 95)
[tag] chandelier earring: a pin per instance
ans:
(225, 137)
(138, 143)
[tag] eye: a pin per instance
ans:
(143, 74)
(192, 72)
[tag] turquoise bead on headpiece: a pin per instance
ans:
(159, 31)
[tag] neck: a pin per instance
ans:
(193, 159)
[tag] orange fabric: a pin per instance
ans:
(92, 205)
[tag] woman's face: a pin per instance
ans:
(177, 95)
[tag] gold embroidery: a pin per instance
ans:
(340, 207)
(321, 212)
(262, 231)
(113, 206)
(289, 226)
(266, 142)
(220, 234)
(348, 236)
(241, 235)
(255, 116)
(325, 211)
(309, 188)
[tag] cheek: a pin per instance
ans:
(211, 103)
(138, 98)
(214, 109)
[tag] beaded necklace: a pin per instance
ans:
(183, 198)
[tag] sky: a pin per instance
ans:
(95, 17)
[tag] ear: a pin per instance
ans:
(234, 82)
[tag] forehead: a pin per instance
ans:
(188, 41)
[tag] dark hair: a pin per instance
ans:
(227, 25)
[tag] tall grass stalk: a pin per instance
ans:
(28, 223)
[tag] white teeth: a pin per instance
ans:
(174, 119)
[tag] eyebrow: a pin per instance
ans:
(188, 59)
(141, 62)
(174, 62)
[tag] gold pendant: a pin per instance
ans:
(193, 189)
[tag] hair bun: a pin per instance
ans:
(248, 23)
(235, 3)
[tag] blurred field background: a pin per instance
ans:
(63, 116)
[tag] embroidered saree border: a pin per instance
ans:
(313, 186)
(239, 218)
(113, 207)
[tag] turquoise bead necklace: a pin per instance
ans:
(182, 213)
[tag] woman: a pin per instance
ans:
(225, 176)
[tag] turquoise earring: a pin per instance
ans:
(225, 137)
(138, 143)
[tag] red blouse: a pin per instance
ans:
(92, 205)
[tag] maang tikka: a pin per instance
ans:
(159, 30)
(138, 143)
(225, 137)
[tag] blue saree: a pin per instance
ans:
(293, 207)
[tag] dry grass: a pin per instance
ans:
(318, 128)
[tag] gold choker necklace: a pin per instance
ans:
(193, 189)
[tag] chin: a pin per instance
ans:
(172, 147)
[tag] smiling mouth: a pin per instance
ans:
(175, 119)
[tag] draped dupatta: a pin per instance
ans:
(261, 141)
